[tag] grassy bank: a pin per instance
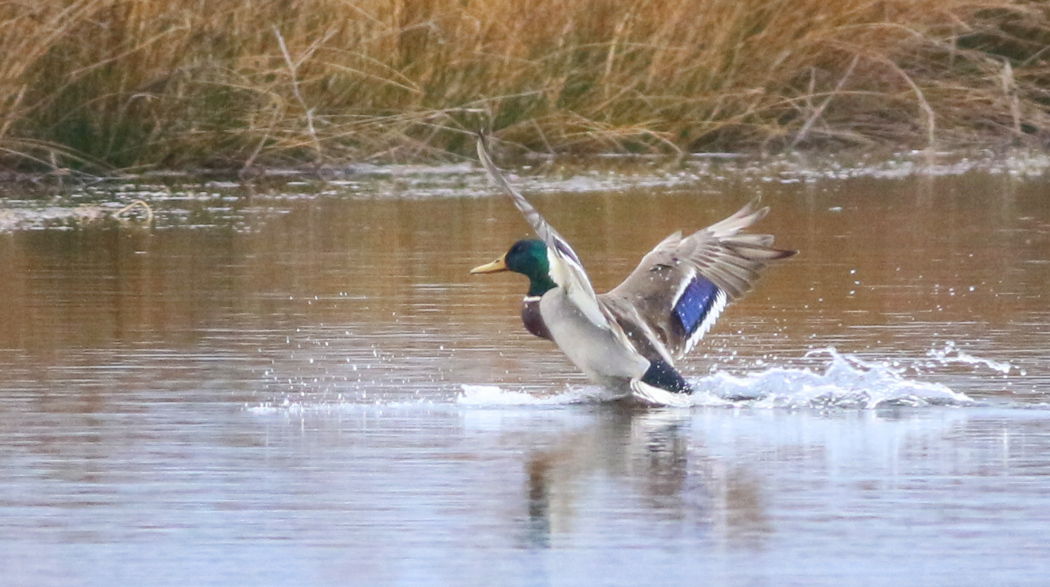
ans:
(176, 83)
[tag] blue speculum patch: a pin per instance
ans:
(695, 304)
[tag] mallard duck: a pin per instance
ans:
(627, 340)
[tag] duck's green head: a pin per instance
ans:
(528, 257)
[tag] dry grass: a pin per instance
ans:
(181, 83)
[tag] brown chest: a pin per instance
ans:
(530, 316)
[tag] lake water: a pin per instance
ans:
(298, 382)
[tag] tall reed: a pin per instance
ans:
(173, 83)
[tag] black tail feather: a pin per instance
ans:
(661, 374)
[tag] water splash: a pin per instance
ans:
(845, 382)
(822, 379)
(950, 354)
(493, 395)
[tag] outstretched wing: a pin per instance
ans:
(543, 229)
(679, 289)
(567, 270)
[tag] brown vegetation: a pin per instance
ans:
(177, 83)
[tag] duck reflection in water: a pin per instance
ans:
(650, 457)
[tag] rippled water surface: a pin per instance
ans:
(298, 382)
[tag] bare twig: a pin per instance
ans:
(804, 131)
(119, 214)
(293, 69)
(1010, 89)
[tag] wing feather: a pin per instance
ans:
(681, 287)
(677, 291)
(567, 270)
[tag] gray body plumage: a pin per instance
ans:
(596, 349)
